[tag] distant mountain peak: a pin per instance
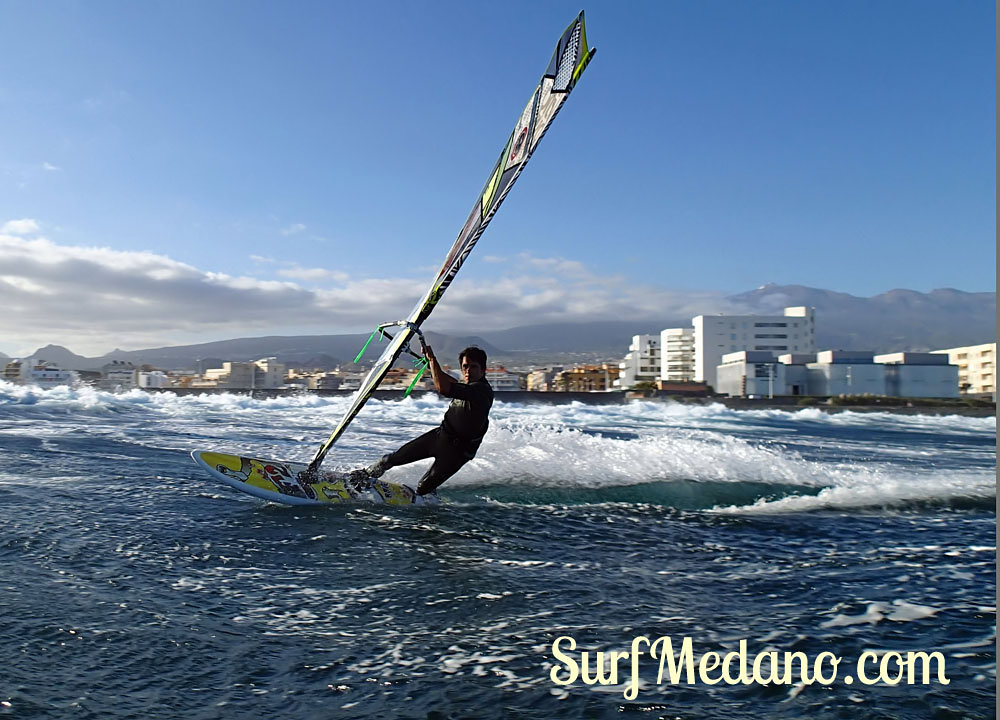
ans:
(893, 321)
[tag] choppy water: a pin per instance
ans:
(135, 586)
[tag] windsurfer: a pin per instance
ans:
(457, 439)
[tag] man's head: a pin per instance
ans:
(472, 360)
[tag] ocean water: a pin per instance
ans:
(135, 586)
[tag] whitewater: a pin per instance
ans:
(136, 585)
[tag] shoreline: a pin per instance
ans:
(913, 406)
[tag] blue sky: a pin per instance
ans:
(180, 172)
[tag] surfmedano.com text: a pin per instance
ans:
(737, 667)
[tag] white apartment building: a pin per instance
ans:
(642, 364)
(750, 373)
(919, 374)
(677, 355)
(154, 379)
(41, 373)
(976, 368)
(118, 375)
(501, 380)
(846, 372)
(718, 335)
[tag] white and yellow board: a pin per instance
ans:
(283, 482)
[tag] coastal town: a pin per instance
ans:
(748, 356)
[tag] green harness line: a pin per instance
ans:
(422, 364)
(419, 362)
(370, 338)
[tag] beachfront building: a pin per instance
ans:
(12, 372)
(270, 373)
(750, 373)
(118, 376)
(264, 374)
(234, 375)
(976, 368)
(587, 378)
(398, 378)
(33, 371)
(677, 355)
(543, 379)
(324, 381)
(502, 380)
(642, 364)
(919, 375)
(718, 335)
(837, 372)
(154, 379)
(846, 372)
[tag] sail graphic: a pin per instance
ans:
(568, 62)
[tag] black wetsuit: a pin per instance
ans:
(456, 440)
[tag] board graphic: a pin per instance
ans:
(283, 482)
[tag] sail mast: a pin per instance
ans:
(568, 62)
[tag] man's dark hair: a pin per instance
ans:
(475, 355)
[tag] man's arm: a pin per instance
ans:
(442, 380)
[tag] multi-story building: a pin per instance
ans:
(12, 372)
(976, 368)
(677, 355)
(642, 364)
(264, 374)
(750, 373)
(33, 371)
(235, 375)
(324, 381)
(118, 375)
(271, 373)
(587, 378)
(544, 379)
(718, 335)
(919, 374)
(501, 380)
(154, 379)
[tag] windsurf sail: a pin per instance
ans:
(568, 62)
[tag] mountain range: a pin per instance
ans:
(893, 321)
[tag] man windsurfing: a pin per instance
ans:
(457, 439)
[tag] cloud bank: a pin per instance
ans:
(93, 299)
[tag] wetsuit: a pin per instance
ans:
(455, 441)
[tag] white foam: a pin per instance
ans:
(570, 446)
(880, 489)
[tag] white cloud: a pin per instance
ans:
(293, 229)
(314, 274)
(92, 299)
(25, 285)
(25, 226)
(50, 167)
